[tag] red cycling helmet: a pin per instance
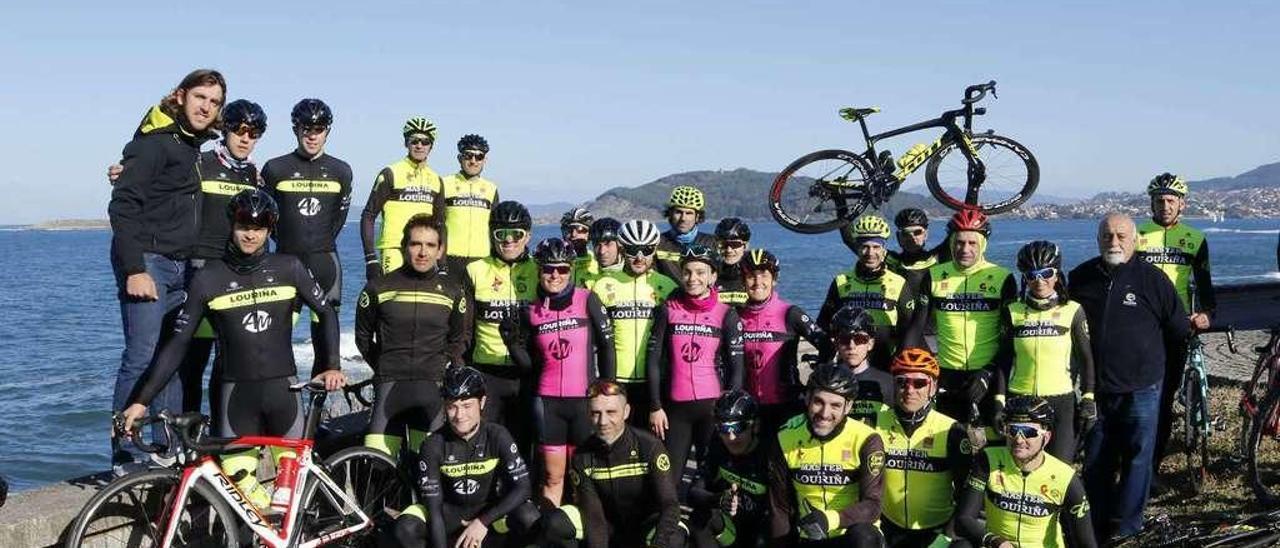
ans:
(971, 220)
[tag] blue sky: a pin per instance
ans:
(580, 97)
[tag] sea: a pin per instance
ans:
(60, 335)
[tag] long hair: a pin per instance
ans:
(196, 78)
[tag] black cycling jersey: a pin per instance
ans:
(219, 181)
(410, 325)
(731, 285)
(482, 478)
(314, 195)
(875, 388)
(721, 469)
(619, 486)
(670, 249)
(249, 301)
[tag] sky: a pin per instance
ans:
(579, 97)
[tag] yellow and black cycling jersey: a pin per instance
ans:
(499, 290)
(965, 305)
(403, 189)
(219, 181)
(467, 203)
(886, 296)
(1044, 508)
(840, 475)
(1182, 253)
(925, 465)
(1049, 342)
(410, 325)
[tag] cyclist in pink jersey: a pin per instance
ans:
(566, 338)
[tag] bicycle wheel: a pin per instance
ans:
(1012, 174)
(1195, 426)
(820, 192)
(371, 479)
(1262, 454)
(132, 511)
(1254, 391)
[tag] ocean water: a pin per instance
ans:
(60, 336)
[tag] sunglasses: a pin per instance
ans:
(421, 141)
(913, 382)
(1041, 273)
(734, 427)
(639, 250)
(477, 156)
(911, 231)
(561, 269)
(1027, 431)
(313, 130)
(606, 388)
(245, 130)
(509, 234)
(733, 244)
(578, 229)
(854, 338)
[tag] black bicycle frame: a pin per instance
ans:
(947, 121)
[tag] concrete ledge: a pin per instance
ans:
(38, 518)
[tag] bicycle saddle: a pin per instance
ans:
(853, 114)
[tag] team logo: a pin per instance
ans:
(462, 306)
(560, 348)
(233, 286)
(1130, 299)
(663, 462)
(256, 321)
(1081, 509)
(496, 286)
(466, 487)
(309, 207)
(966, 446)
(690, 352)
(875, 463)
(364, 300)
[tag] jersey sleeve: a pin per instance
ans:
(920, 318)
(663, 484)
(596, 528)
(1082, 352)
(1002, 363)
(128, 199)
(1172, 314)
(378, 196)
(829, 306)
(461, 327)
(1204, 280)
(907, 307)
(1077, 525)
(521, 343)
(313, 295)
(516, 475)
(654, 362)
(602, 328)
(967, 522)
(959, 457)
(781, 495)
(802, 324)
(367, 326)
(171, 355)
(344, 202)
(870, 485)
(430, 456)
(731, 348)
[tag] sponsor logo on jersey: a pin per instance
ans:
(309, 207)
(256, 321)
(466, 486)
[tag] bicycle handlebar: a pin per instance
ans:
(980, 90)
(1230, 330)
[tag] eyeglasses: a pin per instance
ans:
(913, 382)
(245, 130)
(606, 388)
(733, 244)
(313, 130)
(911, 231)
(509, 234)
(1041, 273)
(425, 141)
(1027, 431)
(561, 269)
(854, 338)
(477, 156)
(578, 229)
(734, 427)
(639, 250)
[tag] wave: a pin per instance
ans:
(1241, 230)
(1253, 277)
(352, 362)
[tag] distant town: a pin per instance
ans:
(1245, 203)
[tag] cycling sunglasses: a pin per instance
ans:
(421, 141)
(247, 130)
(477, 156)
(1041, 273)
(509, 234)
(913, 382)
(639, 250)
(606, 388)
(734, 427)
(561, 269)
(733, 244)
(854, 338)
(911, 231)
(577, 228)
(1027, 431)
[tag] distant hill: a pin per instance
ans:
(1266, 176)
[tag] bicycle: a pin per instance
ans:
(1260, 411)
(825, 190)
(1193, 394)
(197, 504)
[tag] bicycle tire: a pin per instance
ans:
(1263, 468)
(1195, 447)
(372, 479)
(804, 184)
(140, 500)
(1260, 383)
(1018, 185)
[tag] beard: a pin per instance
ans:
(1113, 258)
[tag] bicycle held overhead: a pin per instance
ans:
(826, 189)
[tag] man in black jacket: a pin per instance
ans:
(153, 227)
(1131, 309)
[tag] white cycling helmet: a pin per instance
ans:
(638, 232)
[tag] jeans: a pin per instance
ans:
(1123, 441)
(146, 325)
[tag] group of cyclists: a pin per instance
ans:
(560, 393)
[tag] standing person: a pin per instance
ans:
(566, 340)
(1049, 337)
(314, 193)
(411, 324)
(1030, 498)
(248, 298)
(468, 201)
(686, 209)
(873, 287)
(964, 299)
(695, 354)
(631, 296)
(575, 228)
(730, 497)
(913, 258)
(152, 212)
(733, 235)
(403, 189)
(852, 335)
(605, 250)
(1182, 253)
(826, 475)
(771, 333)
(1131, 308)
(501, 285)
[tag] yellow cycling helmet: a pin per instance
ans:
(1168, 183)
(419, 124)
(869, 226)
(687, 196)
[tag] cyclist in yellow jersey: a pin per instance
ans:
(403, 189)
(1030, 498)
(927, 456)
(1050, 349)
(605, 250)
(964, 299)
(1182, 253)
(468, 200)
(826, 473)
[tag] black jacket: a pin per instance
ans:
(153, 203)
(1131, 308)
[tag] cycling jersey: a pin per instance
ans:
(875, 393)
(1048, 344)
(922, 468)
(721, 470)
(587, 278)
(670, 249)
(467, 203)
(482, 478)
(314, 195)
(410, 325)
(886, 296)
(1182, 253)
(619, 486)
(1029, 509)
(401, 190)
(219, 181)
(771, 332)
(249, 302)
(840, 475)
(499, 289)
(631, 301)
(568, 338)
(965, 305)
(692, 342)
(731, 286)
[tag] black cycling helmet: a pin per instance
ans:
(311, 113)
(733, 228)
(554, 251)
(911, 216)
(576, 216)
(243, 113)
(1033, 409)
(472, 141)
(850, 318)
(700, 253)
(735, 406)
(836, 379)
(253, 207)
(605, 229)
(510, 214)
(1039, 254)
(461, 382)
(761, 259)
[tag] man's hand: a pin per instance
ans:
(473, 535)
(658, 422)
(141, 287)
(1087, 410)
(976, 388)
(729, 500)
(332, 379)
(813, 526)
(131, 414)
(113, 172)
(1199, 321)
